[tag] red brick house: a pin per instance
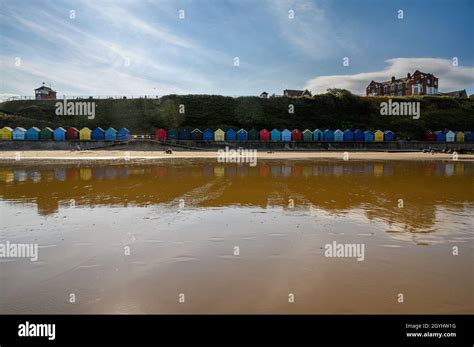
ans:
(45, 93)
(419, 83)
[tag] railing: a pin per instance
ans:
(82, 97)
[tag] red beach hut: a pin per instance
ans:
(430, 135)
(161, 134)
(296, 135)
(72, 134)
(264, 135)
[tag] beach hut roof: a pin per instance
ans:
(306, 130)
(274, 130)
(338, 131)
(242, 131)
(207, 130)
(219, 131)
(450, 132)
(111, 129)
(230, 130)
(73, 128)
(34, 128)
(19, 128)
(286, 131)
(368, 132)
(8, 128)
(388, 132)
(99, 128)
(196, 131)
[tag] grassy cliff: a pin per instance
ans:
(336, 109)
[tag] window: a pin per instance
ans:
(429, 82)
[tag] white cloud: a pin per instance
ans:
(450, 77)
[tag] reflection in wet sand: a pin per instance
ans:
(183, 220)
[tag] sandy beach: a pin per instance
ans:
(139, 156)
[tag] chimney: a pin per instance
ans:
(393, 78)
(408, 75)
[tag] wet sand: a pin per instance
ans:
(139, 156)
(83, 216)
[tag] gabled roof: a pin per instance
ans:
(45, 88)
(294, 92)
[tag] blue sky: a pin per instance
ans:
(143, 47)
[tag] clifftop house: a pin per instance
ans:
(45, 93)
(419, 83)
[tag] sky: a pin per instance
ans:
(230, 47)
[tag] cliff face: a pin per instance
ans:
(331, 110)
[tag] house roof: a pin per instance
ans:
(45, 88)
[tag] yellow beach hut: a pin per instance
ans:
(459, 136)
(6, 133)
(219, 135)
(378, 136)
(85, 134)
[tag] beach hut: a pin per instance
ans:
(318, 135)
(208, 135)
(296, 135)
(242, 135)
(253, 135)
(468, 136)
(358, 135)
(59, 134)
(72, 134)
(98, 134)
(264, 135)
(123, 134)
(440, 136)
(230, 135)
(84, 134)
(219, 135)
(368, 136)
(378, 136)
(275, 135)
(184, 134)
(348, 135)
(111, 134)
(46, 134)
(6, 133)
(161, 134)
(430, 135)
(286, 135)
(33, 134)
(328, 135)
(450, 136)
(338, 135)
(19, 133)
(460, 136)
(172, 134)
(196, 135)
(389, 135)
(307, 135)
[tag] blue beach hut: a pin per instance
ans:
(230, 135)
(369, 136)
(33, 134)
(98, 134)
(318, 135)
(59, 134)
(275, 135)
(468, 136)
(338, 135)
(123, 134)
(242, 135)
(208, 135)
(328, 135)
(286, 135)
(348, 135)
(389, 135)
(440, 136)
(111, 134)
(19, 133)
(358, 135)
(184, 134)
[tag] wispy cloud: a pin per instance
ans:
(450, 77)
